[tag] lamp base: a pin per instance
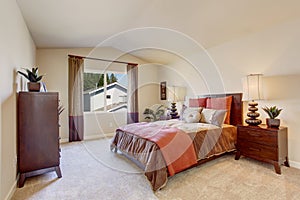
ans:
(173, 113)
(252, 121)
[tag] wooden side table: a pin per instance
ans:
(264, 144)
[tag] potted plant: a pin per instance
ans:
(34, 84)
(273, 112)
(154, 115)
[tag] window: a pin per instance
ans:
(107, 94)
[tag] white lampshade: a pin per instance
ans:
(252, 87)
(176, 93)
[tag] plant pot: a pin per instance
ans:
(274, 123)
(33, 86)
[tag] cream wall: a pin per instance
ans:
(283, 91)
(16, 50)
(148, 87)
(182, 73)
(54, 64)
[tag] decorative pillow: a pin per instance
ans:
(199, 102)
(211, 116)
(192, 115)
(221, 103)
(206, 115)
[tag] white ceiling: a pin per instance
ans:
(78, 23)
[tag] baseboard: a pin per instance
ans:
(93, 137)
(89, 137)
(11, 191)
(64, 140)
(294, 164)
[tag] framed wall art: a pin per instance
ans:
(163, 90)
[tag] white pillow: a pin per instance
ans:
(192, 115)
(212, 116)
(206, 115)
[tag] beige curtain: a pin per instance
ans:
(75, 99)
(132, 94)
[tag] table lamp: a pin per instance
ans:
(175, 94)
(252, 90)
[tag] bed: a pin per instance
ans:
(164, 148)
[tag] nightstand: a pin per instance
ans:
(264, 144)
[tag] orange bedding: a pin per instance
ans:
(207, 142)
(176, 146)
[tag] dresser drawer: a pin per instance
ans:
(258, 150)
(259, 136)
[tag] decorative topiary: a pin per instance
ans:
(32, 75)
(272, 111)
(154, 115)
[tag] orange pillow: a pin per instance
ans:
(221, 103)
(199, 102)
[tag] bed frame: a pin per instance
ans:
(235, 119)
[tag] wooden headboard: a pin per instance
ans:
(236, 113)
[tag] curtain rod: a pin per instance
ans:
(113, 61)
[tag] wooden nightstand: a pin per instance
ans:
(264, 144)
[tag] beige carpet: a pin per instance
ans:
(91, 171)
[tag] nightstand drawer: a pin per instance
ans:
(258, 150)
(261, 137)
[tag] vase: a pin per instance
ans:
(273, 123)
(174, 113)
(252, 114)
(33, 86)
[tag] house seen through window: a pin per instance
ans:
(105, 92)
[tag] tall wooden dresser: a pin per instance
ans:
(38, 134)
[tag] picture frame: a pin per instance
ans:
(163, 90)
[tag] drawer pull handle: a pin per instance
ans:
(254, 134)
(253, 149)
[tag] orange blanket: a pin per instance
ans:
(176, 146)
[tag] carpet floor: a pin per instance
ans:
(90, 171)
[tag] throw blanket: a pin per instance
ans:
(176, 146)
